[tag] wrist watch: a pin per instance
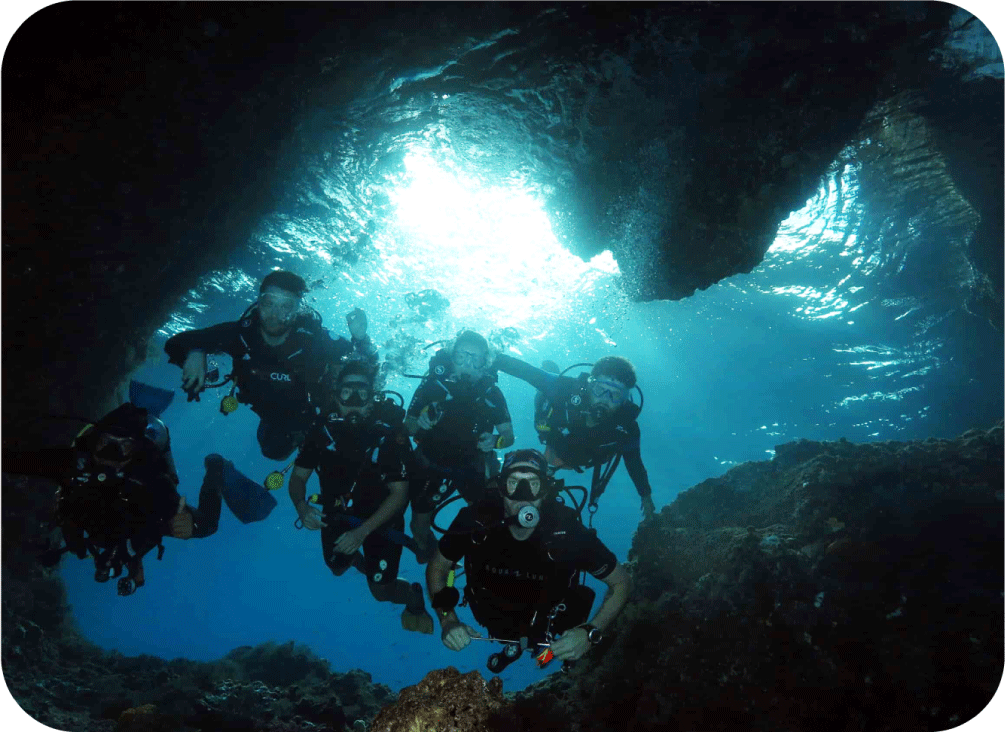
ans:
(593, 634)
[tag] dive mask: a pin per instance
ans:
(113, 449)
(354, 396)
(463, 357)
(603, 389)
(525, 487)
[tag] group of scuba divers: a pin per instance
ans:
(520, 537)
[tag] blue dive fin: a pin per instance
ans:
(154, 399)
(550, 366)
(248, 500)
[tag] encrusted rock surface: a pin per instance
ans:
(444, 700)
(76, 686)
(837, 586)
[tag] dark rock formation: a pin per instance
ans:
(142, 142)
(837, 586)
(72, 685)
(445, 699)
(139, 154)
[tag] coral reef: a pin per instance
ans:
(444, 700)
(835, 586)
(267, 687)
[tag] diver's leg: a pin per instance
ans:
(381, 567)
(382, 559)
(206, 516)
(278, 438)
(423, 505)
(337, 562)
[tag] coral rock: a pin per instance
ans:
(444, 700)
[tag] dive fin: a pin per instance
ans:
(248, 500)
(549, 366)
(421, 621)
(417, 619)
(154, 399)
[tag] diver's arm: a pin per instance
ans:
(436, 580)
(213, 340)
(311, 517)
(216, 339)
(506, 437)
(395, 502)
(364, 349)
(619, 585)
(298, 486)
(637, 472)
(537, 378)
(172, 471)
(421, 403)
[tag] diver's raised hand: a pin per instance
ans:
(311, 517)
(182, 525)
(193, 374)
(456, 635)
(356, 321)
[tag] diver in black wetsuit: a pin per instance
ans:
(452, 416)
(118, 490)
(362, 455)
(282, 356)
(523, 552)
(587, 421)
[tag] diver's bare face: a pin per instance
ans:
(277, 309)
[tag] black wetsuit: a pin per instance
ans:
(282, 384)
(100, 509)
(449, 450)
(354, 467)
(560, 419)
(512, 585)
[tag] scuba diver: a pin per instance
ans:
(452, 416)
(282, 356)
(362, 455)
(523, 552)
(588, 421)
(118, 489)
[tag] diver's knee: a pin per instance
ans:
(381, 592)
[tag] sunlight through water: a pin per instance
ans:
(490, 247)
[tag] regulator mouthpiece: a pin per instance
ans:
(528, 517)
(274, 481)
(228, 404)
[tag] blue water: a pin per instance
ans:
(857, 325)
(727, 375)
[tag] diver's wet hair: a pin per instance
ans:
(356, 367)
(284, 280)
(472, 338)
(616, 367)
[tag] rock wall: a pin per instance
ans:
(837, 586)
